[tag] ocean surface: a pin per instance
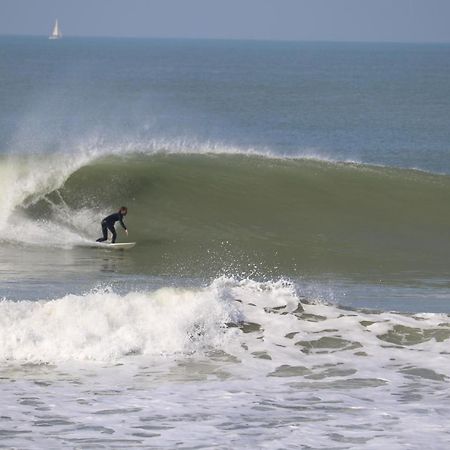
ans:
(290, 286)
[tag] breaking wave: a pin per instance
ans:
(285, 213)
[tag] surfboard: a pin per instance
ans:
(115, 246)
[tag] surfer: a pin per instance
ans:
(108, 224)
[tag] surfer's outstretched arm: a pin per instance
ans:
(123, 226)
(123, 212)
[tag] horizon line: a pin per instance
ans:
(245, 39)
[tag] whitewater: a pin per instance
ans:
(241, 360)
(290, 283)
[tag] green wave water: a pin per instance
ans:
(202, 214)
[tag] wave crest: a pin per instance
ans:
(207, 211)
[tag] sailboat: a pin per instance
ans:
(56, 33)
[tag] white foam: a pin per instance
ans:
(187, 376)
(103, 325)
(25, 179)
(106, 326)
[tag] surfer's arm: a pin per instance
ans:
(123, 225)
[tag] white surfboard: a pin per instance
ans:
(115, 246)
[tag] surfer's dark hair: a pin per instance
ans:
(124, 209)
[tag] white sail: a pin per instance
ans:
(56, 33)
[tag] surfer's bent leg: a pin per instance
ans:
(113, 232)
(104, 231)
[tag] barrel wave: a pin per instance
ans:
(201, 214)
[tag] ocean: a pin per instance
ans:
(290, 286)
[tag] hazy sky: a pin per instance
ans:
(348, 20)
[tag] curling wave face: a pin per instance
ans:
(202, 212)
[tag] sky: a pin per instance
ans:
(304, 20)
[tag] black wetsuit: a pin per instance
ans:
(108, 224)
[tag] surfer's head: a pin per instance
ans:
(123, 210)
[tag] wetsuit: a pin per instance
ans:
(108, 224)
